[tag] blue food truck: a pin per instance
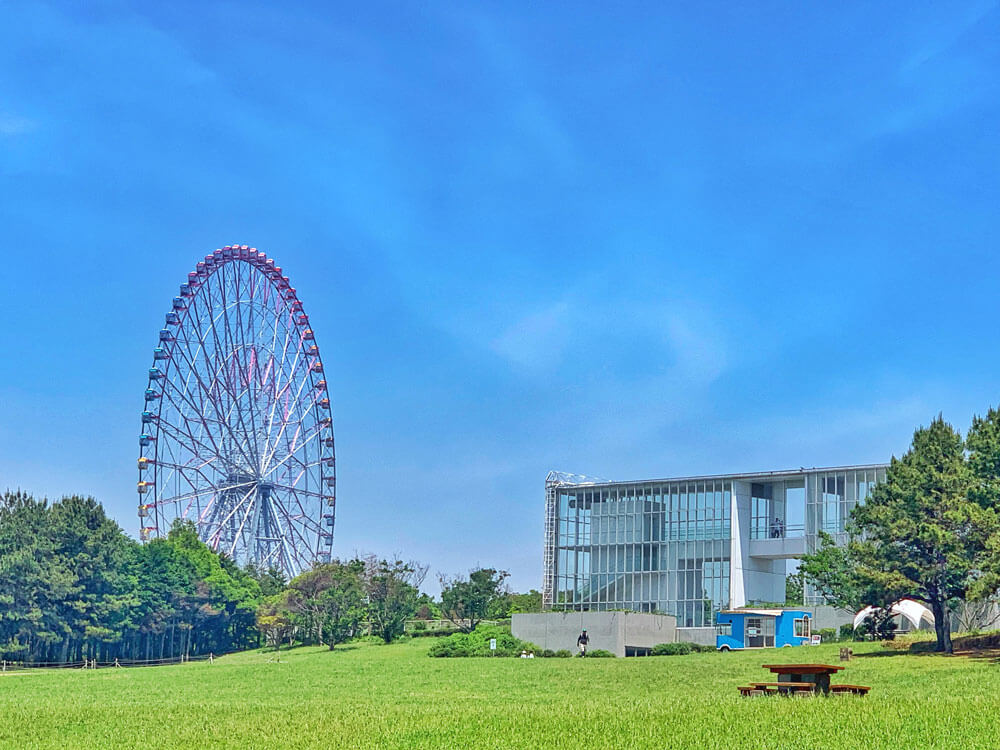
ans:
(762, 628)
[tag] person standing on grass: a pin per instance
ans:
(582, 641)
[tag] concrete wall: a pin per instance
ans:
(704, 636)
(825, 616)
(645, 631)
(558, 630)
(611, 631)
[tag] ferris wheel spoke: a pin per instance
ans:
(281, 313)
(284, 425)
(186, 472)
(204, 390)
(290, 456)
(219, 520)
(294, 530)
(217, 368)
(233, 379)
(293, 488)
(238, 535)
(186, 436)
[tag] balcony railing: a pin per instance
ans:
(777, 531)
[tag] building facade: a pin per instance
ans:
(690, 546)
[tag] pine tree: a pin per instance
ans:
(919, 532)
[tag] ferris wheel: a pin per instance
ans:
(237, 431)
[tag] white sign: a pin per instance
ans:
(493, 644)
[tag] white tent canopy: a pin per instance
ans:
(913, 611)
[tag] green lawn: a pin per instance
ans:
(370, 696)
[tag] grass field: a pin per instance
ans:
(370, 696)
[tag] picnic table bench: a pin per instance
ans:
(760, 688)
(855, 689)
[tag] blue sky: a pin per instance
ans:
(668, 239)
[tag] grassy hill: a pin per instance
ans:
(370, 696)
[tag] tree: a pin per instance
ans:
(526, 603)
(271, 581)
(467, 601)
(512, 603)
(427, 608)
(343, 604)
(983, 449)
(327, 602)
(919, 533)
(26, 576)
(392, 589)
(305, 601)
(794, 588)
(836, 575)
(274, 620)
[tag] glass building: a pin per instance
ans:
(689, 546)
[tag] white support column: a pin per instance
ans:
(739, 547)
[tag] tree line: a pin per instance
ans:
(334, 602)
(929, 532)
(74, 586)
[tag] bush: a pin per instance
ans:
(680, 649)
(477, 643)
(671, 649)
(563, 654)
(548, 653)
(829, 635)
(432, 633)
(847, 632)
(420, 625)
(600, 653)
(919, 640)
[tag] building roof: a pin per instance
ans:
(577, 480)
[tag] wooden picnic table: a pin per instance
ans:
(802, 678)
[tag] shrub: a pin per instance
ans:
(436, 633)
(600, 653)
(477, 643)
(829, 635)
(548, 653)
(671, 649)
(847, 631)
(420, 625)
(680, 649)
(563, 654)
(920, 640)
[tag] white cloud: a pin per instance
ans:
(537, 340)
(699, 351)
(12, 125)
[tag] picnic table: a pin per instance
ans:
(800, 679)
